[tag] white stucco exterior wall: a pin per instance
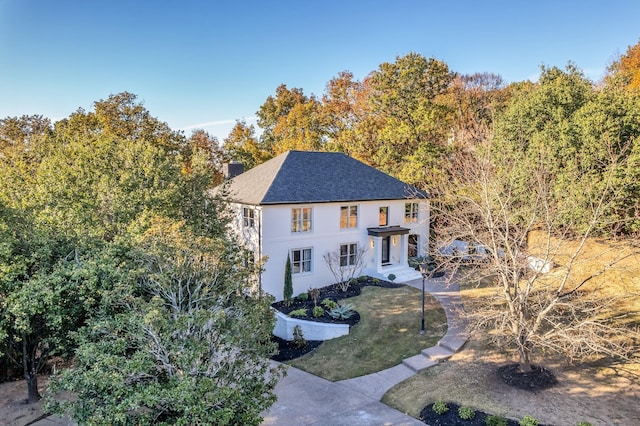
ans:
(271, 237)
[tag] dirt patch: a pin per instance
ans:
(14, 409)
(602, 392)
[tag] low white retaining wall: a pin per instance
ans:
(311, 330)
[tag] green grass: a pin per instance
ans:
(388, 332)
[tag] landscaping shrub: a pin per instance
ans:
(529, 421)
(362, 278)
(584, 424)
(298, 313)
(329, 304)
(318, 311)
(466, 412)
(302, 297)
(314, 294)
(298, 337)
(440, 407)
(288, 282)
(392, 277)
(495, 421)
(342, 312)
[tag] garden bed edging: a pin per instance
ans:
(311, 330)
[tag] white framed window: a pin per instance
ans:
(301, 219)
(301, 260)
(348, 253)
(348, 217)
(248, 217)
(411, 212)
(384, 216)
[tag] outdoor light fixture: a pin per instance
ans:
(394, 240)
(424, 270)
(372, 242)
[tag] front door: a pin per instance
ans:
(386, 246)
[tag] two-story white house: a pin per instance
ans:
(306, 204)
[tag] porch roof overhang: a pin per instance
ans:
(387, 231)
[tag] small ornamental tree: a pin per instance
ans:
(344, 269)
(288, 282)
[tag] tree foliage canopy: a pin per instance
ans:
(103, 216)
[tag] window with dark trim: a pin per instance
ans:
(384, 216)
(348, 253)
(412, 248)
(301, 260)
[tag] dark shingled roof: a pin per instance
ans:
(298, 177)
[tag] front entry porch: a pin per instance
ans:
(390, 246)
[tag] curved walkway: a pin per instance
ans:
(305, 399)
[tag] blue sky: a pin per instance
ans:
(205, 64)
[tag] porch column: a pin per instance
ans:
(377, 253)
(404, 250)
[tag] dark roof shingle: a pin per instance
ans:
(300, 177)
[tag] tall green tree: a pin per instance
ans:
(185, 345)
(274, 110)
(345, 108)
(242, 146)
(69, 196)
(573, 128)
(406, 95)
(292, 121)
(202, 144)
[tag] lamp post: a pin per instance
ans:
(424, 270)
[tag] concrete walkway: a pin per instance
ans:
(305, 399)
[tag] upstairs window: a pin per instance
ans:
(300, 261)
(348, 253)
(301, 219)
(384, 216)
(248, 217)
(348, 217)
(411, 212)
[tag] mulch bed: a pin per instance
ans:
(451, 418)
(288, 350)
(334, 293)
(537, 379)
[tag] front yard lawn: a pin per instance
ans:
(388, 332)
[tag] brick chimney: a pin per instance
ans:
(231, 170)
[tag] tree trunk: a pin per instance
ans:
(525, 360)
(30, 372)
(32, 387)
